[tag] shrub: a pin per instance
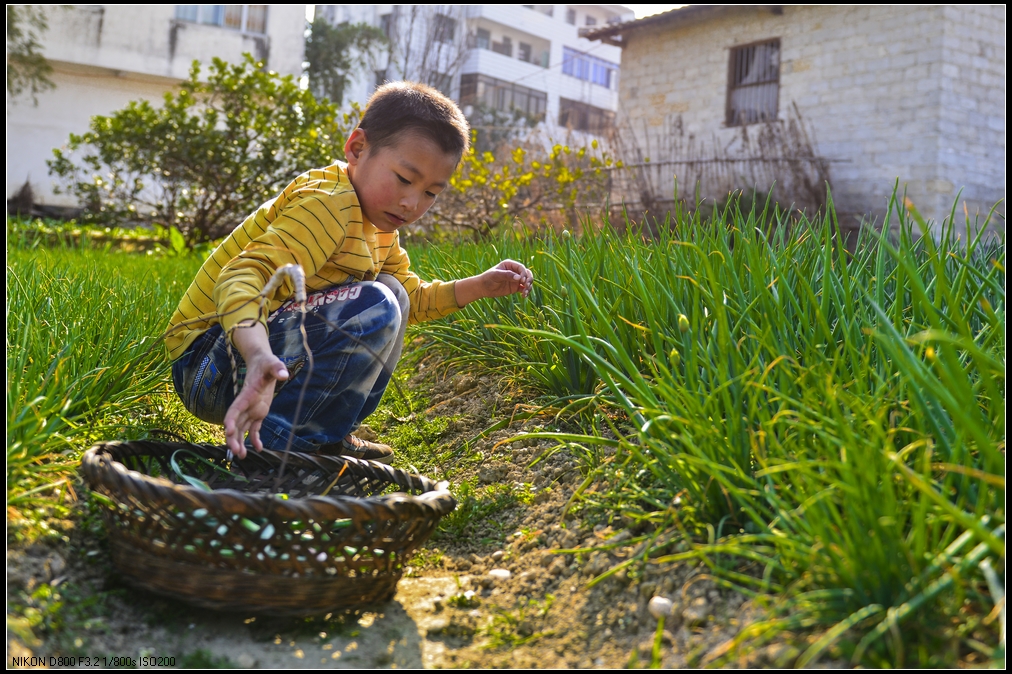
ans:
(528, 183)
(211, 154)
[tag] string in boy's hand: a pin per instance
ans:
(250, 408)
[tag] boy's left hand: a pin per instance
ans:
(506, 278)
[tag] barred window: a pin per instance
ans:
(245, 18)
(753, 87)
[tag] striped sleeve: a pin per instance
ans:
(305, 231)
(429, 300)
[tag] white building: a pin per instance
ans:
(504, 57)
(914, 94)
(104, 56)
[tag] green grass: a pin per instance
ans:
(83, 359)
(834, 418)
(822, 428)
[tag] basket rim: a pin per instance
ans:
(102, 467)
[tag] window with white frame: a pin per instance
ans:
(244, 18)
(482, 39)
(590, 68)
(496, 94)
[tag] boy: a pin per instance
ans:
(340, 224)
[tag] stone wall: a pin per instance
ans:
(875, 83)
(971, 149)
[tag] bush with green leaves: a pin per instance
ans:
(528, 184)
(215, 150)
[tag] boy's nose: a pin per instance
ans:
(409, 202)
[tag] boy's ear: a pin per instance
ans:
(355, 146)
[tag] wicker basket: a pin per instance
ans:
(329, 536)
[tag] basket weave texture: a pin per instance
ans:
(328, 536)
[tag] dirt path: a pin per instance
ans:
(489, 592)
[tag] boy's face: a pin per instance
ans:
(397, 183)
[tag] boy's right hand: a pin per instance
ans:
(250, 408)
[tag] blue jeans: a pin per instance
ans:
(349, 375)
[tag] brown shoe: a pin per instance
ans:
(363, 449)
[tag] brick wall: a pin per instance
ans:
(875, 83)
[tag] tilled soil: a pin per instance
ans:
(497, 594)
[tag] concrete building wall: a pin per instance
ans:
(105, 56)
(869, 80)
(81, 92)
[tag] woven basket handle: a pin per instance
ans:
(440, 499)
(295, 275)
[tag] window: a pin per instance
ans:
(524, 52)
(245, 18)
(590, 68)
(591, 21)
(505, 47)
(256, 18)
(571, 16)
(381, 77)
(482, 39)
(445, 28)
(387, 24)
(498, 94)
(583, 117)
(753, 86)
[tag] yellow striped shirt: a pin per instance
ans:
(315, 222)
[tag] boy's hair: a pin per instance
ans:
(401, 107)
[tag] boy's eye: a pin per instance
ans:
(431, 195)
(403, 179)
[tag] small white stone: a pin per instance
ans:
(660, 607)
(499, 574)
(246, 661)
(497, 555)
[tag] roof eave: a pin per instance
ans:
(613, 34)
